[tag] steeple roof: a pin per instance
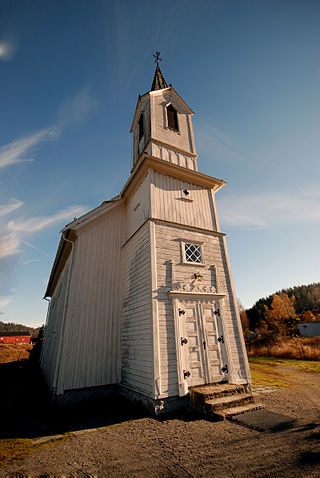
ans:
(158, 81)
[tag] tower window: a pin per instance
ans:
(141, 128)
(172, 117)
(192, 253)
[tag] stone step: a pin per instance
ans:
(229, 401)
(208, 392)
(231, 412)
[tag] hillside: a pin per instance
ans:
(279, 313)
(12, 327)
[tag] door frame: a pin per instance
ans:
(195, 296)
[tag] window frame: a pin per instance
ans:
(172, 128)
(184, 243)
(141, 126)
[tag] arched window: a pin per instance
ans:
(141, 128)
(172, 118)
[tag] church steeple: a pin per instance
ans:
(158, 81)
(162, 125)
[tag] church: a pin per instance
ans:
(142, 300)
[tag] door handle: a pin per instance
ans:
(204, 345)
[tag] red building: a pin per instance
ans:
(15, 337)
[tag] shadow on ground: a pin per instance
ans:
(26, 410)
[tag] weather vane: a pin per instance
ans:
(156, 57)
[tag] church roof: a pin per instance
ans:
(158, 81)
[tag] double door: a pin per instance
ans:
(202, 343)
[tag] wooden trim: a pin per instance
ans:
(63, 252)
(195, 295)
(191, 228)
(170, 146)
(155, 319)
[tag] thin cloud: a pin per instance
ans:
(8, 208)
(77, 109)
(16, 151)
(9, 245)
(5, 300)
(222, 147)
(38, 223)
(32, 260)
(36, 248)
(269, 209)
(74, 110)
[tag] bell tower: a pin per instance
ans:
(162, 125)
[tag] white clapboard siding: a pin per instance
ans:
(138, 207)
(183, 139)
(139, 144)
(168, 203)
(136, 335)
(91, 349)
(168, 248)
(53, 328)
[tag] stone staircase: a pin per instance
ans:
(222, 400)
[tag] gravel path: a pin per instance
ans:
(191, 446)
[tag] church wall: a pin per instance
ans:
(136, 336)
(49, 351)
(215, 273)
(138, 207)
(139, 144)
(91, 350)
(169, 203)
(182, 139)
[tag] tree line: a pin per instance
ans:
(12, 327)
(280, 313)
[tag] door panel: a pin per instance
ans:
(193, 353)
(201, 350)
(213, 346)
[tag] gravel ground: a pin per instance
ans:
(191, 446)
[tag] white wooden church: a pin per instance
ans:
(142, 298)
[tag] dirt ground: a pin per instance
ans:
(188, 445)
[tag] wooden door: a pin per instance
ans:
(201, 349)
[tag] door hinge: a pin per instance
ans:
(225, 369)
(184, 341)
(221, 339)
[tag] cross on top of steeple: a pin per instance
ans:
(158, 81)
(156, 57)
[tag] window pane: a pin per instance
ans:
(193, 253)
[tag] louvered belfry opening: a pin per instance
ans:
(172, 118)
(141, 126)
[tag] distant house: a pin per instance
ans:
(15, 337)
(310, 329)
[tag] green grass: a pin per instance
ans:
(306, 365)
(265, 371)
(14, 449)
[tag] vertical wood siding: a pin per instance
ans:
(139, 144)
(138, 207)
(168, 248)
(137, 327)
(183, 139)
(167, 202)
(53, 328)
(90, 353)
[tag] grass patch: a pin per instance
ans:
(306, 365)
(264, 370)
(12, 449)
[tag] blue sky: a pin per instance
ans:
(70, 74)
